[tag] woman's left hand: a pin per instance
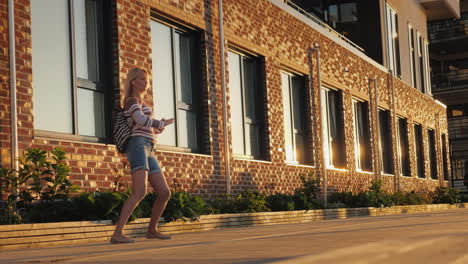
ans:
(158, 131)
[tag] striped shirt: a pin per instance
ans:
(140, 119)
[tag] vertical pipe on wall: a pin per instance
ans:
(378, 157)
(223, 84)
(12, 52)
(316, 50)
(394, 121)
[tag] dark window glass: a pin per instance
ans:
(418, 137)
(333, 129)
(247, 125)
(385, 140)
(176, 84)
(403, 147)
(75, 63)
(432, 154)
(297, 137)
(444, 157)
(362, 136)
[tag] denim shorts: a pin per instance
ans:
(139, 155)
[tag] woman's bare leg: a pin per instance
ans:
(159, 184)
(139, 179)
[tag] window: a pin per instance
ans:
(393, 41)
(432, 154)
(176, 84)
(412, 56)
(69, 94)
(246, 99)
(418, 137)
(444, 157)
(422, 64)
(403, 147)
(297, 138)
(426, 68)
(362, 147)
(333, 129)
(385, 142)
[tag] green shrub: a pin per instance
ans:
(182, 205)
(251, 202)
(445, 195)
(306, 197)
(280, 202)
(222, 204)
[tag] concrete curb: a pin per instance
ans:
(67, 233)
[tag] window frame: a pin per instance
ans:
(393, 45)
(388, 144)
(360, 164)
(79, 83)
(406, 159)
(340, 161)
(434, 168)
(419, 151)
(259, 121)
(196, 86)
(412, 55)
(304, 115)
(421, 62)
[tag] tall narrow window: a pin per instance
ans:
(432, 154)
(427, 68)
(393, 45)
(176, 84)
(333, 130)
(403, 147)
(362, 147)
(420, 53)
(418, 137)
(246, 100)
(297, 138)
(412, 55)
(67, 76)
(444, 157)
(385, 140)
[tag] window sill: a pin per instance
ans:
(388, 175)
(177, 150)
(337, 169)
(297, 164)
(253, 160)
(365, 172)
(56, 136)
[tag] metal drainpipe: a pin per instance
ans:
(223, 84)
(12, 51)
(397, 160)
(319, 81)
(378, 162)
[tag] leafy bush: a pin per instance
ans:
(306, 197)
(222, 204)
(280, 202)
(251, 202)
(445, 195)
(182, 205)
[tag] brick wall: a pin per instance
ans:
(281, 41)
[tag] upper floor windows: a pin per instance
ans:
(412, 53)
(385, 142)
(68, 78)
(403, 146)
(393, 46)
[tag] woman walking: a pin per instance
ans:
(143, 164)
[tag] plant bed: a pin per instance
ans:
(66, 233)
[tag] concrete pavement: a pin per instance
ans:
(437, 237)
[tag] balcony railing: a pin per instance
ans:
(321, 23)
(448, 29)
(458, 127)
(450, 80)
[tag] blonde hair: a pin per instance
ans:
(128, 88)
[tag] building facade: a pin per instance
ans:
(449, 63)
(295, 97)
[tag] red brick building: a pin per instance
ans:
(298, 97)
